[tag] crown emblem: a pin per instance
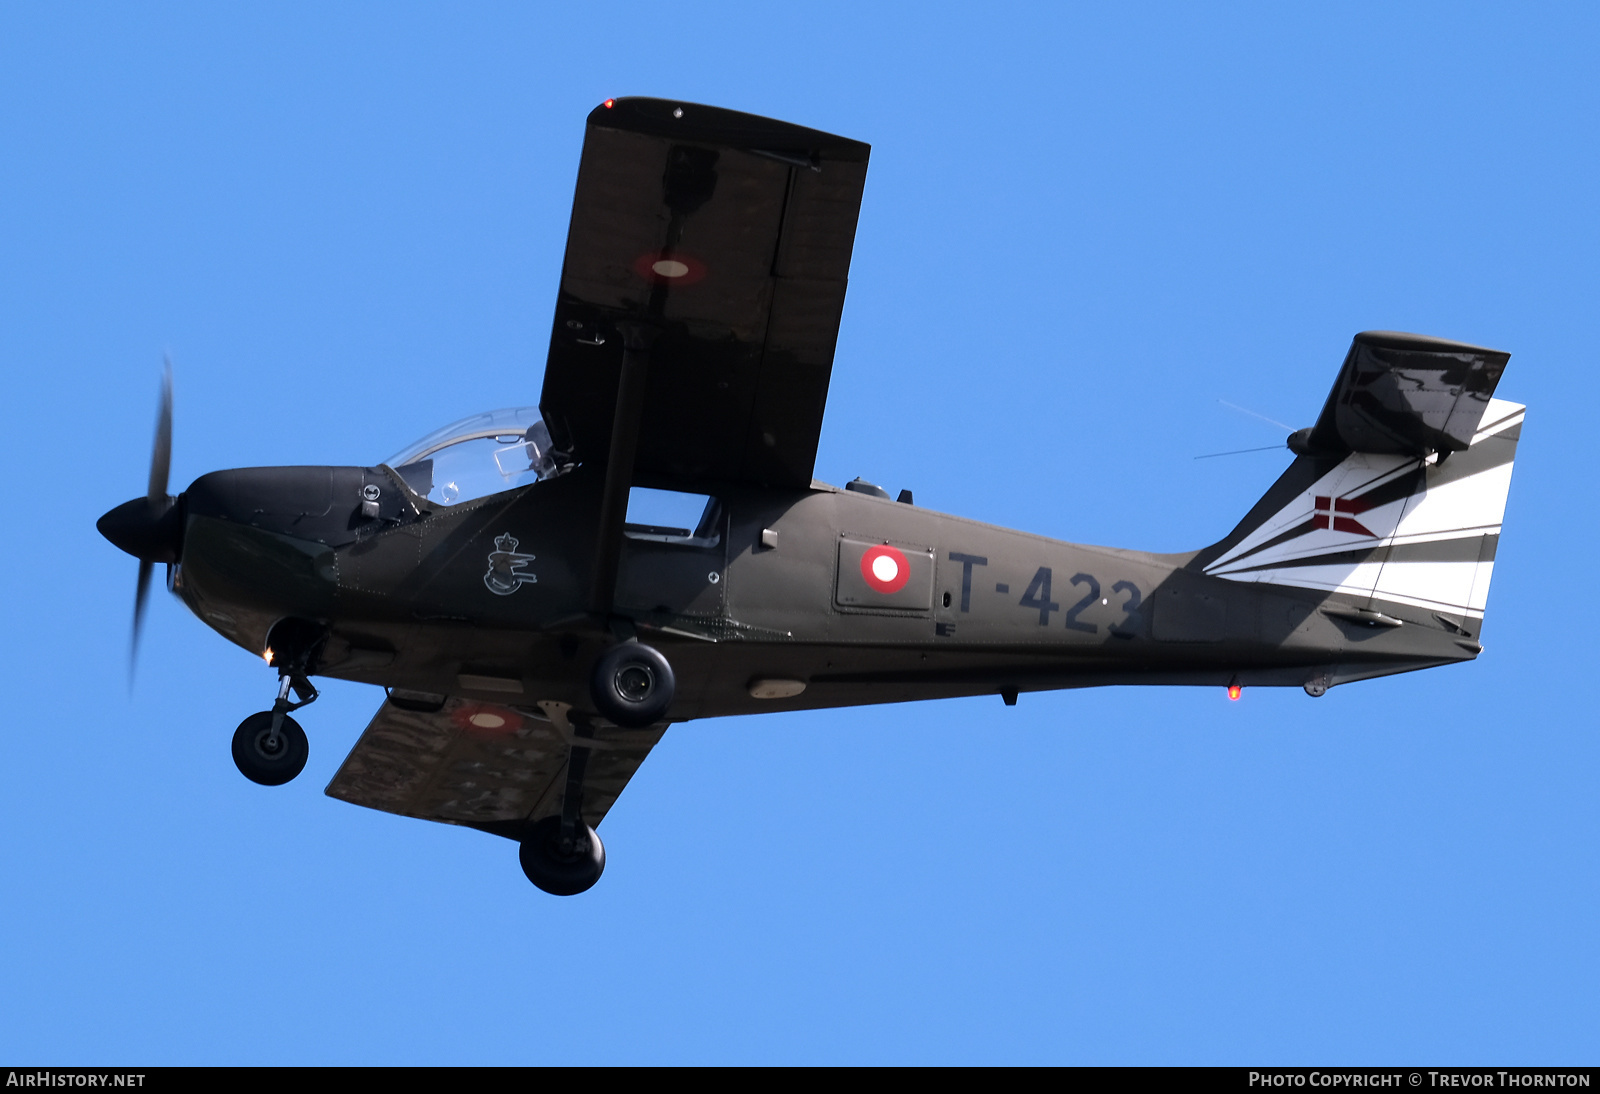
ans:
(507, 568)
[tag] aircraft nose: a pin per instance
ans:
(149, 529)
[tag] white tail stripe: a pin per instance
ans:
(1460, 499)
(1512, 415)
(1403, 583)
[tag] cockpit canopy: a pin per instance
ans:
(481, 455)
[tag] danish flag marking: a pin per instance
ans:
(1339, 514)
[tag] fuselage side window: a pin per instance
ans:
(673, 516)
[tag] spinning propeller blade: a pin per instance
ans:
(157, 502)
(140, 594)
(161, 453)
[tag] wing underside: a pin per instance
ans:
(484, 765)
(729, 237)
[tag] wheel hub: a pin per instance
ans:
(635, 682)
(265, 757)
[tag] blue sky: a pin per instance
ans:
(1084, 226)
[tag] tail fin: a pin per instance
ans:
(1402, 527)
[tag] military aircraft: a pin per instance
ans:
(543, 590)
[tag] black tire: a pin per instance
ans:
(632, 685)
(556, 873)
(261, 764)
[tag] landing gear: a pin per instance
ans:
(560, 853)
(632, 685)
(270, 748)
(270, 755)
(562, 865)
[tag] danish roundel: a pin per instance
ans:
(885, 569)
(482, 719)
(669, 267)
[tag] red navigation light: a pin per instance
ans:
(1234, 691)
(609, 103)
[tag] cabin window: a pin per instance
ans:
(673, 516)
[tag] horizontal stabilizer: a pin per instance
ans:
(1405, 394)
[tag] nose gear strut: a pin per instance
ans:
(269, 747)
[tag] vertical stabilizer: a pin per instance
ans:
(1383, 527)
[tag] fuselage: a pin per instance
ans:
(773, 605)
(538, 632)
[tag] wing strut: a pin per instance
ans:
(636, 341)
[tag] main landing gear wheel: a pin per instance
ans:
(267, 759)
(632, 685)
(557, 870)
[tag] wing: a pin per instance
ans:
(483, 765)
(1406, 393)
(729, 237)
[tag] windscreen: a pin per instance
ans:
(485, 454)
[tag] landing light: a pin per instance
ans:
(268, 655)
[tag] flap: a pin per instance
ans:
(729, 236)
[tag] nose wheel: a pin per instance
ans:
(270, 748)
(269, 755)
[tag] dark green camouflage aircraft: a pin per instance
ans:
(543, 590)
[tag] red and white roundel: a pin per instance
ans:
(482, 719)
(673, 269)
(885, 569)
